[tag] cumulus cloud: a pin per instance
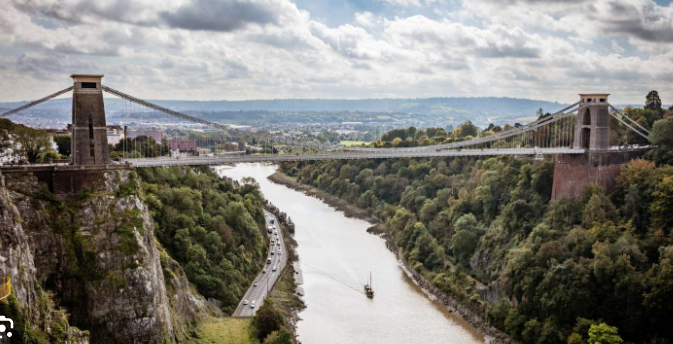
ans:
(252, 49)
(643, 21)
(84, 11)
(207, 15)
(214, 15)
(365, 18)
(404, 3)
(617, 48)
(646, 21)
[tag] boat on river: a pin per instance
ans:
(369, 287)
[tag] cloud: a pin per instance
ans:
(85, 11)
(643, 21)
(617, 48)
(261, 49)
(347, 40)
(214, 15)
(199, 15)
(493, 42)
(404, 3)
(365, 18)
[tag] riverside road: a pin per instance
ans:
(262, 285)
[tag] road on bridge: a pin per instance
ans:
(393, 153)
(267, 278)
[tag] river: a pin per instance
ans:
(336, 255)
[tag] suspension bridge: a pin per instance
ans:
(578, 135)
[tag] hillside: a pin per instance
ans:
(487, 233)
(449, 110)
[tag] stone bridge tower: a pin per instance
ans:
(599, 165)
(89, 132)
(592, 127)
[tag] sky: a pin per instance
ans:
(350, 49)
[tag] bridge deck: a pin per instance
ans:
(148, 162)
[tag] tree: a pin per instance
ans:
(599, 209)
(267, 320)
(64, 144)
(465, 241)
(279, 337)
(604, 334)
(32, 142)
(652, 101)
(658, 298)
(662, 139)
(662, 204)
(467, 129)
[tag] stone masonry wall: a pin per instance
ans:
(573, 173)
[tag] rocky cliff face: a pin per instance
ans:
(97, 254)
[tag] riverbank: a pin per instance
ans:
(339, 204)
(350, 210)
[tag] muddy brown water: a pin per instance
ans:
(336, 256)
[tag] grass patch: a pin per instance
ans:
(224, 331)
(353, 143)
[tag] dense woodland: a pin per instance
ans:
(594, 270)
(210, 225)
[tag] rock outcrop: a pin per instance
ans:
(96, 252)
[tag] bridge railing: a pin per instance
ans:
(524, 135)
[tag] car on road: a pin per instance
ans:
(272, 221)
(280, 253)
(272, 253)
(252, 305)
(255, 284)
(245, 302)
(278, 244)
(275, 268)
(264, 271)
(268, 261)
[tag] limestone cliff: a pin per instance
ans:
(96, 252)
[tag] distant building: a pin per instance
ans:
(179, 147)
(157, 135)
(115, 134)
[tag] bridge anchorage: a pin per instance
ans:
(578, 136)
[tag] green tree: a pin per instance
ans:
(63, 143)
(31, 142)
(652, 101)
(267, 319)
(531, 331)
(662, 138)
(604, 334)
(662, 206)
(279, 337)
(599, 209)
(467, 129)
